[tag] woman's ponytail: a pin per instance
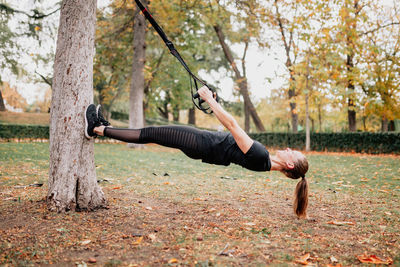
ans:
(301, 198)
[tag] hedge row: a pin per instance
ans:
(340, 142)
(363, 142)
(22, 131)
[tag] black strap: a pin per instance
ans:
(176, 54)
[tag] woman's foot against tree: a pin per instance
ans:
(91, 121)
(102, 120)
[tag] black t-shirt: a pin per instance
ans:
(221, 149)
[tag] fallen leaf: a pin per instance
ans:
(340, 223)
(173, 260)
(138, 241)
(303, 259)
(85, 242)
(117, 187)
(331, 265)
(374, 259)
(92, 260)
(383, 191)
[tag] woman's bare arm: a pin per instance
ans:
(242, 139)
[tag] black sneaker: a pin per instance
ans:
(102, 120)
(91, 121)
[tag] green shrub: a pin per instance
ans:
(364, 142)
(23, 131)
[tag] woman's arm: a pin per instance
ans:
(242, 139)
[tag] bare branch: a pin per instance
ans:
(36, 14)
(48, 81)
(379, 28)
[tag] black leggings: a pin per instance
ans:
(187, 139)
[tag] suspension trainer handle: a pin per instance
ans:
(176, 54)
(196, 95)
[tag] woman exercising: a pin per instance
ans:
(219, 148)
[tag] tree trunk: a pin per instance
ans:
(137, 82)
(72, 175)
(175, 113)
(2, 106)
(246, 117)
(312, 124)
(242, 81)
(351, 112)
(320, 117)
(364, 121)
(385, 125)
(307, 126)
(287, 43)
(163, 111)
(307, 108)
(293, 111)
(192, 116)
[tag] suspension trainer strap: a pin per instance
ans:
(176, 54)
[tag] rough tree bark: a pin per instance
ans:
(241, 80)
(136, 115)
(72, 176)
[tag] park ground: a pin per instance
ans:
(167, 210)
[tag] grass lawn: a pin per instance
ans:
(166, 209)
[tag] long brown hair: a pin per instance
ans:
(301, 193)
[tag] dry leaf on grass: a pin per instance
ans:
(138, 240)
(304, 259)
(340, 223)
(374, 259)
(173, 260)
(85, 242)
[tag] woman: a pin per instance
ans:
(219, 148)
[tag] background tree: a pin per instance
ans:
(290, 19)
(72, 176)
(383, 84)
(166, 86)
(112, 67)
(235, 23)
(136, 95)
(12, 98)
